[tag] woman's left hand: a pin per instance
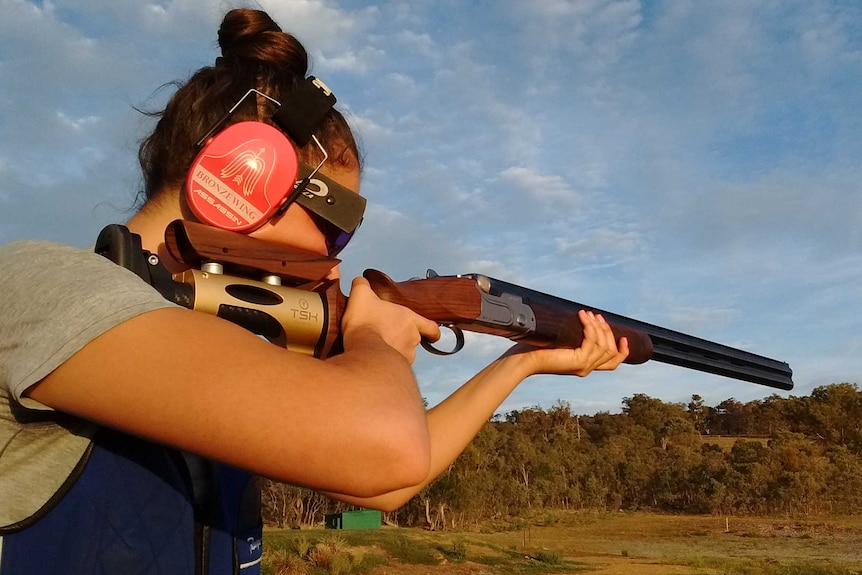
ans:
(599, 351)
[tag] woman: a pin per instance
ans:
(104, 382)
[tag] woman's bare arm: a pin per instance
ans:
(354, 424)
(455, 422)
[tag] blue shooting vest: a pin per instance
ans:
(130, 509)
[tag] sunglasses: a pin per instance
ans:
(336, 210)
(336, 238)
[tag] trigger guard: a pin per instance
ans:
(459, 342)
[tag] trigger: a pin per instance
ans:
(459, 342)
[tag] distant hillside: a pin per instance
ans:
(796, 456)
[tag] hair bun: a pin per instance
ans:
(251, 37)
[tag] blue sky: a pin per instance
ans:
(691, 164)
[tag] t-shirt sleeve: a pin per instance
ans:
(54, 299)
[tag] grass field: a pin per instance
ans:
(600, 544)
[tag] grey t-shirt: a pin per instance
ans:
(54, 299)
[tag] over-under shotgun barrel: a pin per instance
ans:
(474, 302)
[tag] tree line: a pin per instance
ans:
(794, 455)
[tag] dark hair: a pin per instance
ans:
(256, 53)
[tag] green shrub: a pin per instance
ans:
(299, 545)
(548, 557)
(341, 564)
(456, 553)
(411, 552)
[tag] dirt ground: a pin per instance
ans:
(586, 565)
(647, 544)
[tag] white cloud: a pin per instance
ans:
(355, 62)
(592, 35)
(601, 243)
(699, 320)
(77, 124)
(492, 268)
(401, 84)
(829, 35)
(368, 129)
(551, 190)
(422, 43)
(331, 30)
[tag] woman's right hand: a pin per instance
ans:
(398, 326)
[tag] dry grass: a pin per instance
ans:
(711, 544)
(280, 562)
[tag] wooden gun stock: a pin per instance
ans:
(194, 244)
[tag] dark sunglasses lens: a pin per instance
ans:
(336, 239)
(338, 243)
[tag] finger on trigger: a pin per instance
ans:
(429, 328)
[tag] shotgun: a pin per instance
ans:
(291, 304)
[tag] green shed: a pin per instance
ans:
(362, 519)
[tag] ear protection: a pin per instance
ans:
(245, 173)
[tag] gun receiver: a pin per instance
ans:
(242, 279)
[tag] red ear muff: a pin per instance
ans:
(241, 176)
